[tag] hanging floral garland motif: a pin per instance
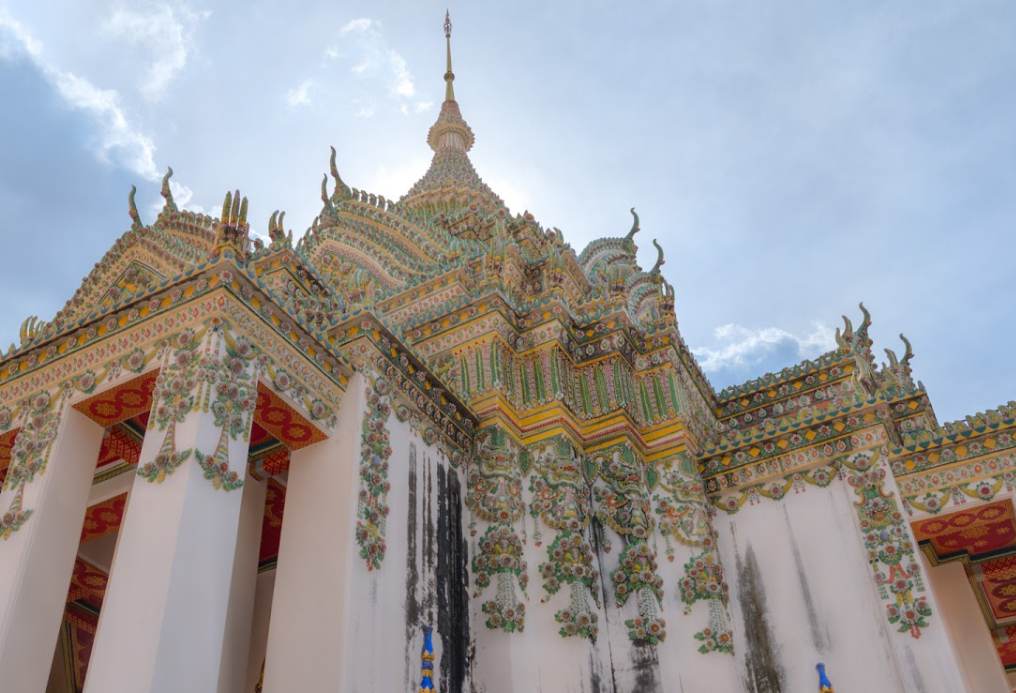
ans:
(560, 487)
(187, 383)
(637, 575)
(494, 487)
(375, 449)
(621, 502)
(501, 555)
(571, 563)
(236, 396)
(166, 461)
(887, 540)
(703, 580)
(29, 455)
(681, 505)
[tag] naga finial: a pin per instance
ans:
(894, 362)
(659, 259)
(634, 227)
(135, 217)
(909, 354)
(243, 212)
(166, 192)
(342, 190)
(324, 192)
(234, 213)
(272, 222)
(866, 323)
(843, 339)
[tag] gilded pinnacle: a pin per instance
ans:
(449, 75)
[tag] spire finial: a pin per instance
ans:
(449, 75)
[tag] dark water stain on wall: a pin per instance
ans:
(818, 637)
(762, 664)
(914, 670)
(412, 571)
(429, 557)
(452, 583)
(640, 663)
(645, 664)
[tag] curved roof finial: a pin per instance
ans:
(342, 190)
(166, 192)
(449, 75)
(659, 260)
(135, 217)
(634, 226)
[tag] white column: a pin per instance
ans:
(307, 638)
(927, 659)
(36, 560)
(259, 628)
(970, 634)
(240, 615)
(168, 602)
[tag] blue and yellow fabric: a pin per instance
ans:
(427, 668)
(823, 681)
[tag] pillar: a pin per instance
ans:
(171, 591)
(307, 637)
(240, 614)
(971, 636)
(912, 617)
(48, 482)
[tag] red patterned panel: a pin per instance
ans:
(1005, 642)
(87, 582)
(6, 445)
(83, 641)
(982, 530)
(283, 422)
(121, 402)
(271, 526)
(103, 518)
(258, 436)
(118, 445)
(276, 462)
(997, 581)
(84, 624)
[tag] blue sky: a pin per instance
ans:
(793, 158)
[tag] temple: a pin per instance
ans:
(431, 447)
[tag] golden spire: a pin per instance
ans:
(449, 76)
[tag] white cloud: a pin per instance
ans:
(739, 347)
(422, 106)
(300, 95)
(164, 31)
(374, 59)
(121, 142)
(21, 37)
(183, 195)
(403, 84)
(367, 111)
(359, 25)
